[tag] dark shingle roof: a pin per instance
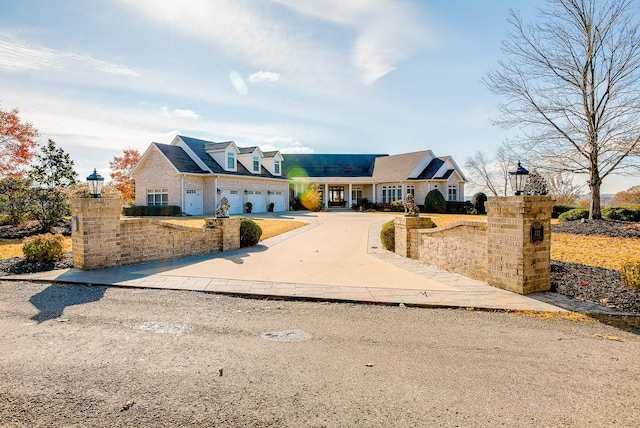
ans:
(430, 169)
(213, 147)
(245, 150)
(179, 159)
(199, 148)
(447, 174)
(321, 165)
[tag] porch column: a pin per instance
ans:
(374, 194)
(349, 198)
(326, 195)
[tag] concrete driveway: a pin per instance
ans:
(337, 257)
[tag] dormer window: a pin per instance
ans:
(256, 164)
(231, 160)
(276, 167)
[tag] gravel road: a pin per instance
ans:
(97, 356)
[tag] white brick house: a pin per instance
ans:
(195, 174)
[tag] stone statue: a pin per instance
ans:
(410, 207)
(223, 208)
(536, 185)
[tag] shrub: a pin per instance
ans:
(630, 275)
(560, 209)
(388, 235)
(574, 214)
(620, 213)
(151, 210)
(44, 248)
(250, 232)
(478, 200)
(434, 202)
(456, 207)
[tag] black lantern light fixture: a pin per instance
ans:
(95, 181)
(518, 179)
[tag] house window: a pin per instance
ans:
(276, 167)
(384, 194)
(356, 194)
(231, 160)
(453, 193)
(256, 164)
(399, 193)
(157, 197)
(411, 189)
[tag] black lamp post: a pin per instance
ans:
(95, 181)
(518, 179)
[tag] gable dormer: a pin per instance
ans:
(225, 154)
(272, 161)
(251, 159)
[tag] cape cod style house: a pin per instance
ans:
(196, 174)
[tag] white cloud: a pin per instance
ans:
(186, 113)
(17, 55)
(386, 32)
(285, 145)
(264, 76)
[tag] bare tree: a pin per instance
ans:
(562, 189)
(571, 84)
(491, 173)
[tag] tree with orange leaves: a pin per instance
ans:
(17, 143)
(121, 167)
(629, 198)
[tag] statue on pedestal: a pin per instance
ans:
(410, 207)
(223, 209)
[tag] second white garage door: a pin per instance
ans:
(257, 199)
(235, 200)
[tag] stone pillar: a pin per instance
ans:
(519, 243)
(230, 228)
(95, 232)
(403, 225)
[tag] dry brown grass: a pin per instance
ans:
(270, 227)
(601, 251)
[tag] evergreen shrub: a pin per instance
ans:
(388, 235)
(434, 202)
(250, 232)
(620, 213)
(573, 215)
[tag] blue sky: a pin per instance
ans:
(334, 76)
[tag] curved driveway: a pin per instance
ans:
(337, 257)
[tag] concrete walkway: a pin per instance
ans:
(337, 257)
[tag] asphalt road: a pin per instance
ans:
(98, 356)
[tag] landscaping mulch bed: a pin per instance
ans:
(594, 284)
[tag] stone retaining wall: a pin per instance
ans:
(458, 247)
(512, 250)
(100, 238)
(146, 240)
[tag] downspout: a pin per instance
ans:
(215, 193)
(182, 193)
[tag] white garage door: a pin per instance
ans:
(193, 202)
(235, 200)
(278, 201)
(257, 199)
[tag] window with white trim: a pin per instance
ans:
(356, 194)
(157, 197)
(453, 193)
(256, 164)
(411, 189)
(231, 160)
(384, 194)
(276, 167)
